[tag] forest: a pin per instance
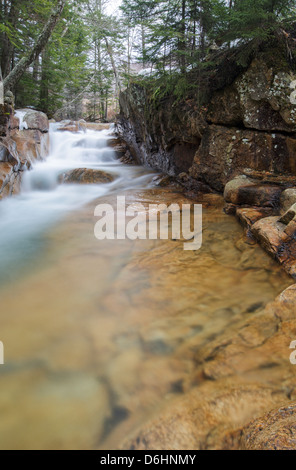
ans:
(71, 58)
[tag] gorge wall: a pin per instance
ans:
(248, 121)
(24, 139)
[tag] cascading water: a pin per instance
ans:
(25, 218)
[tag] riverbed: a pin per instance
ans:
(100, 334)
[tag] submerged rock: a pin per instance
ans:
(86, 176)
(274, 431)
(240, 376)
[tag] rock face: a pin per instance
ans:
(247, 122)
(86, 176)
(21, 144)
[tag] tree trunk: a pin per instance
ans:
(7, 46)
(15, 75)
(110, 52)
(44, 94)
(183, 38)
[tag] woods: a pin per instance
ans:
(72, 57)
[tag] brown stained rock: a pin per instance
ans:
(70, 127)
(86, 176)
(30, 145)
(209, 417)
(270, 177)
(97, 126)
(243, 190)
(288, 198)
(14, 122)
(278, 240)
(248, 216)
(269, 233)
(289, 215)
(119, 147)
(77, 126)
(8, 180)
(274, 431)
(224, 152)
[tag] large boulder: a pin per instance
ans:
(32, 119)
(243, 190)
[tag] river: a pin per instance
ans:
(98, 334)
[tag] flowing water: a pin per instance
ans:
(98, 334)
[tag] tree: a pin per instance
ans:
(16, 73)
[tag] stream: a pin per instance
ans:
(99, 334)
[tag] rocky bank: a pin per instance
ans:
(24, 139)
(245, 119)
(239, 140)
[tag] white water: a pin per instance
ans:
(20, 115)
(24, 219)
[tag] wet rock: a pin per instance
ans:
(206, 418)
(97, 126)
(36, 120)
(119, 147)
(7, 178)
(230, 209)
(243, 190)
(274, 431)
(30, 145)
(77, 126)
(128, 159)
(288, 198)
(289, 215)
(82, 124)
(86, 176)
(278, 240)
(248, 216)
(269, 232)
(69, 126)
(163, 180)
(259, 344)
